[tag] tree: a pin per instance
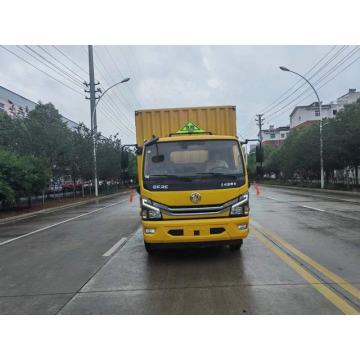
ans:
(13, 133)
(80, 154)
(21, 176)
(109, 158)
(271, 162)
(345, 136)
(48, 137)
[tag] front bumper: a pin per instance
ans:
(196, 230)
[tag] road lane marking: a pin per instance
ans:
(115, 247)
(338, 280)
(329, 294)
(272, 198)
(57, 224)
(312, 208)
(304, 206)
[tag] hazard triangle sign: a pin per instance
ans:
(190, 128)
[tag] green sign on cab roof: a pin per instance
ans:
(190, 128)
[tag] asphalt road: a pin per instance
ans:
(302, 257)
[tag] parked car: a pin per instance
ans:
(69, 185)
(55, 187)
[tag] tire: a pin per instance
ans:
(149, 248)
(237, 246)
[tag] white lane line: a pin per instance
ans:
(57, 224)
(312, 208)
(271, 198)
(115, 247)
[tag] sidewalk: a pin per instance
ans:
(13, 218)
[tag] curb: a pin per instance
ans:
(57, 208)
(326, 191)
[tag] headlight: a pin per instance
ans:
(149, 211)
(241, 208)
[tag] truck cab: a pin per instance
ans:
(193, 189)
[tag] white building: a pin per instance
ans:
(15, 104)
(303, 115)
(274, 136)
(351, 97)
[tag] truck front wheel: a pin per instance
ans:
(149, 248)
(236, 246)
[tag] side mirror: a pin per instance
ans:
(124, 160)
(259, 154)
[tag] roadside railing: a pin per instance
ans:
(54, 198)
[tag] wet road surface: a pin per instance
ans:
(302, 257)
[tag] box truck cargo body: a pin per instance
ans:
(193, 182)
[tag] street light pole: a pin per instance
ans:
(283, 68)
(95, 131)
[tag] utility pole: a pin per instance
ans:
(260, 122)
(92, 91)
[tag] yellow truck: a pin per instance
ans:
(193, 182)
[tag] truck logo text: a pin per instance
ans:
(228, 184)
(160, 187)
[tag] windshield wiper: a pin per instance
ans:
(170, 176)
(216, 174)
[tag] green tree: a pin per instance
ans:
(12, 133)
(21, 176)
(80, 153)
(109, 158)
(48, 137)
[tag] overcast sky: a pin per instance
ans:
(180, 76)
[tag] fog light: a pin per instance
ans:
(242, 226)
(149, 231)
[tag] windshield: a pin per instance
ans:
(194, 161)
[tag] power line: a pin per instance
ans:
(298, 81)
(104, 110)
(307, 96)
(71, 77)
(280, 99)
(75, 80)
(115, 111)
(130, 107)
(69, 59)
(44, 63)
(118, 68)
(318, 81)
(303, 83)
(109, 103)
(42, 71)
(114, 104)
(61, 63)
(350, 54)
(339, 63)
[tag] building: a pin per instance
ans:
(351, 97)
(303, 115)
(274, 136)
(15, 104)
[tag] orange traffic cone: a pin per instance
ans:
(257, 188)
